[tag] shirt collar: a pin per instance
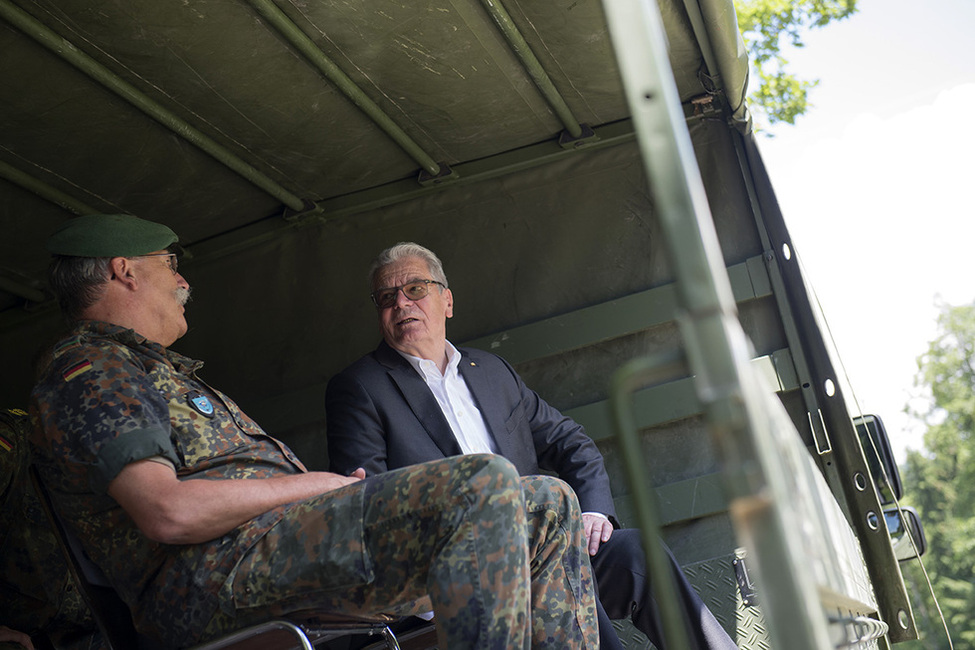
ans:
(428, 368)
(133, 339)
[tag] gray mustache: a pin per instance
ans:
(183, 295)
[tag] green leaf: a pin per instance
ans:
(767, 24)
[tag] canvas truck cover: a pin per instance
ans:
(287, 142)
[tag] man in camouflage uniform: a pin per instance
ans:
(155, 471)
(37, 595)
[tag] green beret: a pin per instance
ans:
(110, 235)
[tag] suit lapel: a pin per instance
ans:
(419, 398)
(494, 411)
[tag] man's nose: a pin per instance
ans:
(401, 298)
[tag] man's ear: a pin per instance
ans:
(123, 270)
(449, 298)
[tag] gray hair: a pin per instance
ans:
(401, 251)
(78, 282)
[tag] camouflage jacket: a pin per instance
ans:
(37, 594)
(110, 397)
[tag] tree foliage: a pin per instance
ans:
(767, 25)
(940, 482)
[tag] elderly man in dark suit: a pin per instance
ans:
(417, 398)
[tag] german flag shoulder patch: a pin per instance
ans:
(77, 369)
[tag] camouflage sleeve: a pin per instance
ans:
(100, 410)
(13, 452)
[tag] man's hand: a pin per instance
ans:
(598, 530)
(6, 634)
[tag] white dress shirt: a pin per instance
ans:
(456, 402)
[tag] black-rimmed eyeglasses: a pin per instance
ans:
(416, 290)
(171, 260)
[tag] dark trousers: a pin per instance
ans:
(624, 590)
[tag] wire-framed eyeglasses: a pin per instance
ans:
(417, 290)
(171, 260)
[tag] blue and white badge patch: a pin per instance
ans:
(200, 403)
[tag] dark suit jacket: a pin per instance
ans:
(381, 416)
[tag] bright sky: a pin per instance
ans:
(876, 183)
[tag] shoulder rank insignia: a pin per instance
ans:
(200, 403)
(65, 345)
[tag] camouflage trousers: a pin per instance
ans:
(501, 558)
